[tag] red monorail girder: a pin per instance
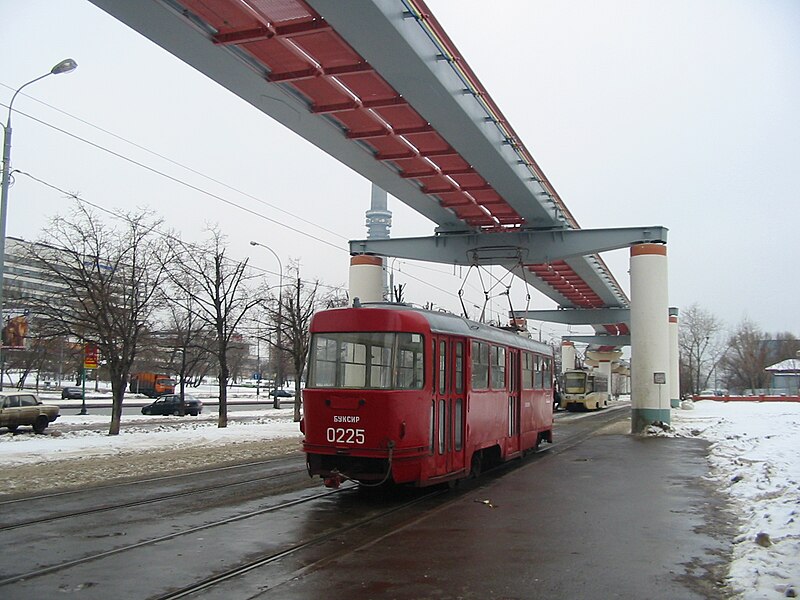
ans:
(300, 50)
(381, 86)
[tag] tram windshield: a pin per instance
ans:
(574, 383)
(367, 360)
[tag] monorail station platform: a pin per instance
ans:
(615, 516)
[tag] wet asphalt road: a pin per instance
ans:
(610, 517)
(616, 517)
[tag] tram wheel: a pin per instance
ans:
(476, 465)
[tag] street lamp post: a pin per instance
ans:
(65, 66)
(279, 376)
(258, 363)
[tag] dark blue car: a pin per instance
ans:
(171, 404)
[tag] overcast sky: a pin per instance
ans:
(680, 113)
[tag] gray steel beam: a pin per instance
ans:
(403, 53)
(600, 340)
(577, 316)
(510, 248)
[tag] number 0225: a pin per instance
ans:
(343, 435)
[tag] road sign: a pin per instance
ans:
(89, 356)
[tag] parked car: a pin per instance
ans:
(72, 393)
(713, 393)
(170, 404)
(23, 408)
(281, 394)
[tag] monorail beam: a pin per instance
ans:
(508, 248)
(576, 316)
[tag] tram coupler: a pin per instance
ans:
(334, 481)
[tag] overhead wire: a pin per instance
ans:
(117, 215)
(174, 162)
(194, 188)
(182, 182)
(163, 234)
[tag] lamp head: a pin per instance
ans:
(65, 66)
(252, 243)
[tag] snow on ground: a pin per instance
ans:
(170, 433)
(755, 459)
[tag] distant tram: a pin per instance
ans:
(401, 395)
(584, 390)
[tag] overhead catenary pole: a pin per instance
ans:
(65, 66)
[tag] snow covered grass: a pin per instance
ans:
(755, 459)
(170, 433)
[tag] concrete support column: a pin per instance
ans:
(568, 356)
(623, 374)
(604, 362)
(366, 278)
(674, 365)
(650, 364)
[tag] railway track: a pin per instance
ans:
(140, 502)
(288, 537)
(126, 548)
(238, 571)
(585, 430)
(136, 483)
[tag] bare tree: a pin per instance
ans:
(191, 340)
(751, 351)
(786, 346)
(292, 316)
(700, 346)
(109, 278)
(213, 288)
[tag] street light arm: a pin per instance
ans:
(65, 66)
(280, 264)
(279, 377)
(19, 89)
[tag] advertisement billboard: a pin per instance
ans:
(15, 329)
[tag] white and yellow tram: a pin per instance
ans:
(583, 390)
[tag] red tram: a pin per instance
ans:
(403, 395)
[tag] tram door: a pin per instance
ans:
(458, 412)
(448, 382)
(514, 398)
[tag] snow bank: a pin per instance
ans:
(170, 433)
(754, 457)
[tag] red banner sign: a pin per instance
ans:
(89, 356)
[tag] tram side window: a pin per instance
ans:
(433, 424)
(459, 368)
(480, 366)
(354, 365)
(527, 371)
(442, 367)
(498, 368)
(324, 353)
(538, 376)
(410, 366)
(459, 427)
(380, 376)
(547, 381)
(442, 426)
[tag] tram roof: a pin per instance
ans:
(452, 324)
